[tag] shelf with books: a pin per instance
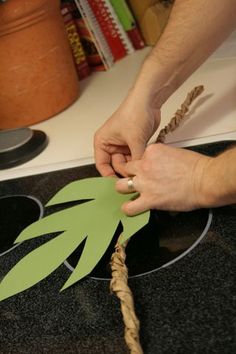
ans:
(107, 30)
(78, 52)
(128, 22)
(111, 28)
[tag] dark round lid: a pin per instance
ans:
(18, 146)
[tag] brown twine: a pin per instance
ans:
(119, 280)
(179, 114)
(119, 286)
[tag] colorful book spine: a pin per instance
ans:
(111, 28)
(93, 57)
(95, 32)
(128, 22)
(79, 56)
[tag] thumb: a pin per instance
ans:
(137, 150)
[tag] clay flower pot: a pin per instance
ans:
(37, 73)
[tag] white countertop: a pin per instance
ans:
(71, 132)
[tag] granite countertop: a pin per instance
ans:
(187, 307)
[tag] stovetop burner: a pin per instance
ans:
(167, 238)
(16, 212)
(18, 146)
(186, 307)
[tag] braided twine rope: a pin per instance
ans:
(119, 281)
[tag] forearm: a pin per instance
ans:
(194, 30)
(218, 181)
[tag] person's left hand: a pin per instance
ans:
(124, 136)
(166, 178)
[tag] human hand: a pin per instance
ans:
(166, 178)
(125, 134)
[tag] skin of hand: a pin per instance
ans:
(166, 178)
(176, 179)
(194, 30)
(124, 136)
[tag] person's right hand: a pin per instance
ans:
(125, 134)
(168, 178)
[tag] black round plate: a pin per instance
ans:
(21, 154)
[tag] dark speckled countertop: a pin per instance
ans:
(187, 307)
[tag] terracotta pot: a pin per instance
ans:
(37, 74)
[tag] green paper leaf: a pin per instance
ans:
(60, 221)
(95, 220)
(92, 254)
(131, 226)
(88, 188)
(39, 263)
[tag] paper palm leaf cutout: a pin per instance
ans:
(95, 220)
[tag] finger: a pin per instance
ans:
(131, 168)
(123, 185)
(116, 149)
(103, 163)
(103, 155)
(135, 207)
(137, 151)
(118, 163)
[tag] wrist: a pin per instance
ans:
(153, 84)
(206, 189)
(216, 186)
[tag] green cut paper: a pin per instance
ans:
(95, 220)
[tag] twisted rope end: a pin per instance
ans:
(179, 114)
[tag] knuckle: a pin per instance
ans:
(145, 166)
(151, 149)
(155, 150)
